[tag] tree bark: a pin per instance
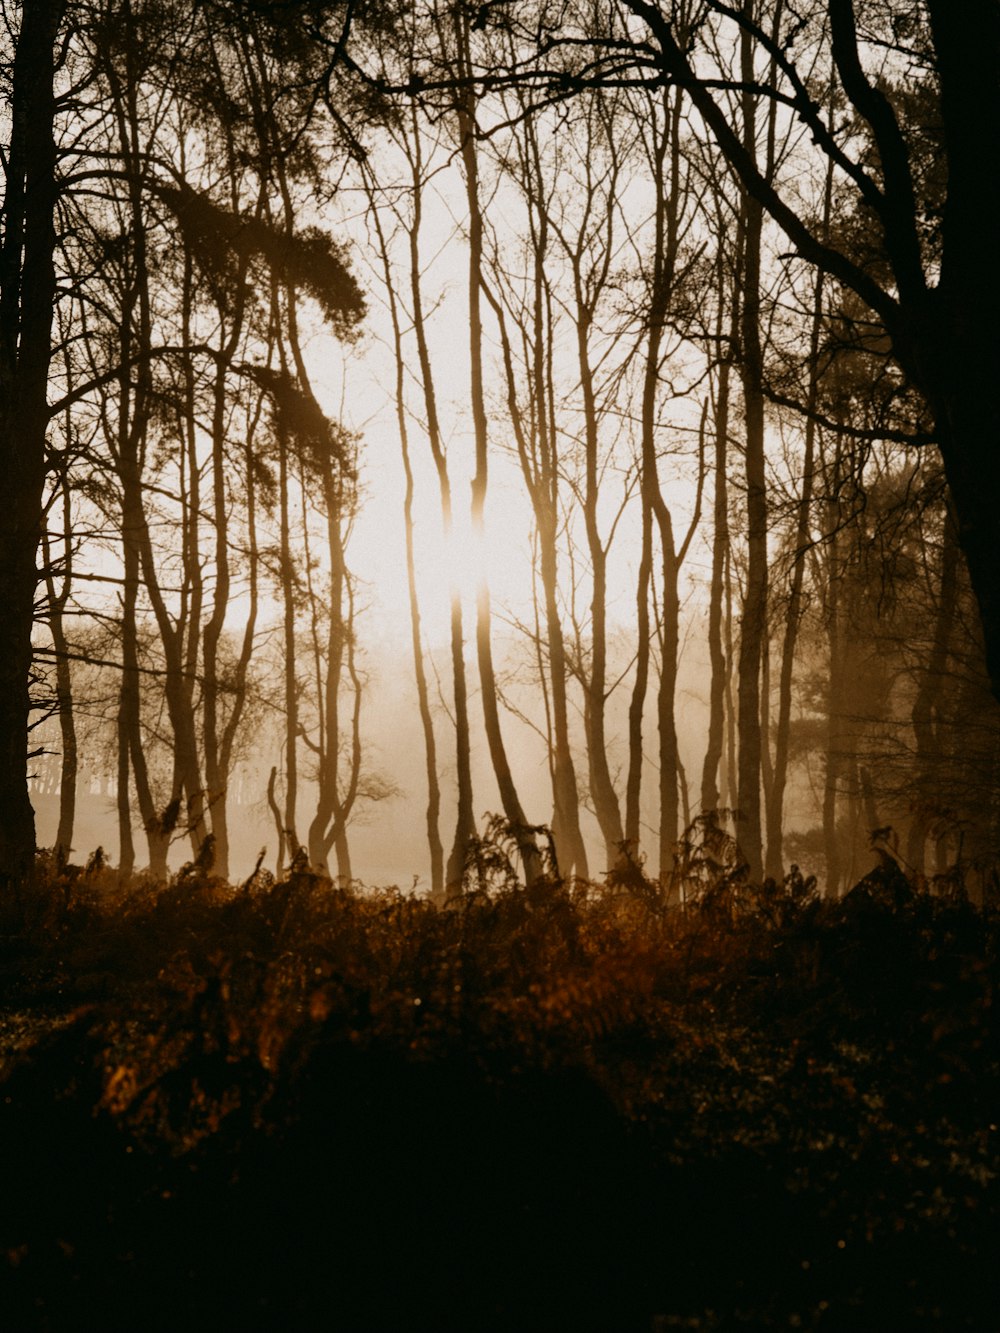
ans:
(27, 297)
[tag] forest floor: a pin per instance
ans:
(566, 1109)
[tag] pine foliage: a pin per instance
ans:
(308, 260)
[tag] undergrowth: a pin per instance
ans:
(570, 1107)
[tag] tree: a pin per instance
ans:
(27, 297)
(536, 433)
(433, 810)
(938, 290)
(465, 120)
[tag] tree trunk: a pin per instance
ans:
(433, 812)
(775, 810)
(27, 296)
(602, 787)
(465, 823)
(519, 826)
(538, 452)
(753, 618)
(131, 754)
(710, 775)
(640, 684)
(57, 600)
(832, 778)
(336, 794)
(544, 491)
(836, 676)
(288, 626)
(924, 711)
(753, 621)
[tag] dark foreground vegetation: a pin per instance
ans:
(287, 1106)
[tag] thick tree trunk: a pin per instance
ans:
(958, 363)
(968, 429)
(27, 295)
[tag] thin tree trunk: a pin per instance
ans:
(537, 446)
(288, 594)
(728, 769)
(178, 637)
(279, 821)
(664, 261)
(793, 615)
(465, 824)
(754, 617)
(123, 805)
(544, 490)
(337, 794)
(836, 688)
(520, 829)
(433, 812)
(640, 683)
(131, 753)
(57, 600)
(718, 664)
(213, 728)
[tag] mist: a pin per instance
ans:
(499, 665)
